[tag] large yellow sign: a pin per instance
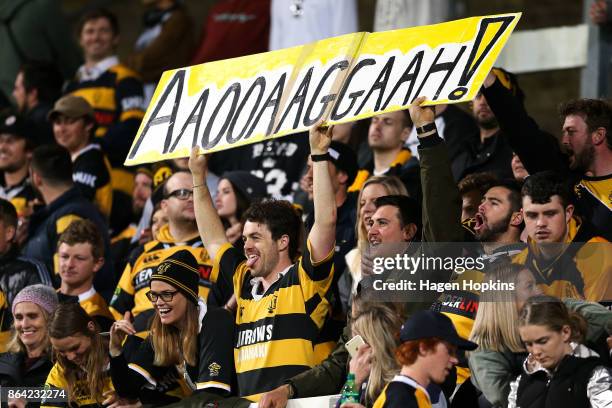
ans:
(224, 104)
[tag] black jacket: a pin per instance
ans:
(48, 223)
(566, 388)
(494, 155)
(14, 374)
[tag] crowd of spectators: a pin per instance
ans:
(249, 275)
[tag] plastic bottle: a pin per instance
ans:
(350, 392)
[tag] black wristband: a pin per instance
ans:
(427, 128)
(320, 157)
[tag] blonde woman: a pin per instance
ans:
(189, 348)
(375, 364)
(28, 360)
(373, 188)
(501, 352)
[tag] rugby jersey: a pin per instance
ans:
(582, 271)
(116, 95)
(91, 173)
(56, 379)
(594, 202)
(20, 195)
(130, 294)
(275, 332)
(95, 306)
(137, 377)
(403, 392)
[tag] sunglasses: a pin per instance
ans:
(165, 296)
(181, 193)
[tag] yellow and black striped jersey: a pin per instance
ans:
(403, 392)
(130, 294)
(91, 173)
(56, 379)
(276, 331)
(117, 97)
(594, 203)
(583, 270)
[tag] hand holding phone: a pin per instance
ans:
(353, 345)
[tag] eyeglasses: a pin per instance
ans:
(165, 296)
(181, 193)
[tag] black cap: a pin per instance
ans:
(345, 159)
(13, 124)
(181, 271)
(426, 323)
(250, 186)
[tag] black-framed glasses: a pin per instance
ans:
(181, 193)
(165, 296)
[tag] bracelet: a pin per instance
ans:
(320, 157)
(291, 392)
(198, 185)
(427, 128)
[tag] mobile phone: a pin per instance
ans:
(353, 345)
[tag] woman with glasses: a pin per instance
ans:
(189, 347)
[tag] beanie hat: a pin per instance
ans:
(39, 294)
(181, 271)
(250, 186)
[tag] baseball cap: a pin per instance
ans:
(14, 124)
(72, 106)
(345, 159)
(426, 323)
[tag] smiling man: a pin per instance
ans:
(281, 297)
(72, 119)
(568, 258)
(16, 145)
(114, 92)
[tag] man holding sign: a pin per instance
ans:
(281, 297)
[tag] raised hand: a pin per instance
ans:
(320, 138)
(118, 332)
(198, 165)
(421, 115)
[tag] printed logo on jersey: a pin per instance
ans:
(142, 278)
(214, 369)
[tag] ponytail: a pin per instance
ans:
(551, 312)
